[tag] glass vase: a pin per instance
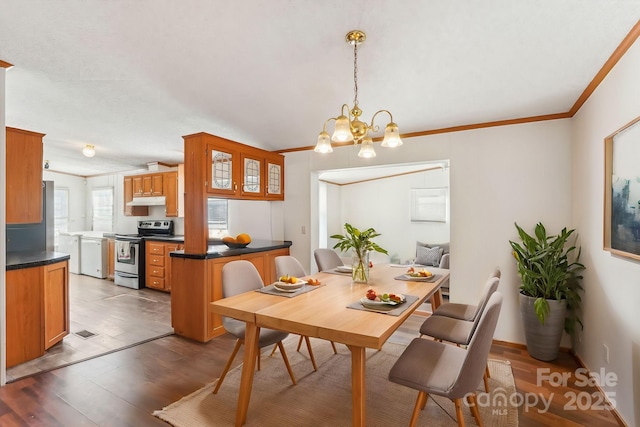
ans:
(360, 267)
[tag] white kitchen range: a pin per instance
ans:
(129, 252)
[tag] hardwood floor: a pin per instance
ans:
(115, 316)
(125, 387)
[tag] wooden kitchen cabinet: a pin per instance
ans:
(158, 265)
(55, 303)
(37, 310)
(138, 188)
(198, 282)
(152, 185)
(129, 185)
(239, 171)
(224, 174)
(170, 185)
(274, 177)
(147, 185)
(24, 315)
(24, 176)
(252, 176)
(154, 268)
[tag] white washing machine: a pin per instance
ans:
(69, 243)
(94, 256)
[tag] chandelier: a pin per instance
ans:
(348, 126)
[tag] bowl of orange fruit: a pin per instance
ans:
(238, 242)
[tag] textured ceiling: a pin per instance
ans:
(133, 77)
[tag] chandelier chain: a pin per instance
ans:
(355, 74)
(349, 126)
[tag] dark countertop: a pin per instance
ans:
(219, 251)
(27, 259)
(177, 239)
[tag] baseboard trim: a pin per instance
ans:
(614, 410)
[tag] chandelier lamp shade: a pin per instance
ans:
(348, 126)
(89, 150)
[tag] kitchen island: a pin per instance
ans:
(37, 302)
(197, 281)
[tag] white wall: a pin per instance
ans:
(612, 284)
(384, 204)
(77, 196)
(255, 218)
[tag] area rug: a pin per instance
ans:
(323, 398)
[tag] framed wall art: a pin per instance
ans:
(622, 191)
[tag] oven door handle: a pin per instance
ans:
(128, 275)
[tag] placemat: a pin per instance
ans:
(334, 271)
(271, 290)
(394, 312)
(431, 278)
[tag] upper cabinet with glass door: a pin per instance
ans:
(223, 176)
(252, 176)
(239, 171)
(274, 171)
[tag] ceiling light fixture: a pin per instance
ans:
(349, 127)
(89, 150)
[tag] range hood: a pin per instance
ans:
(148, 201)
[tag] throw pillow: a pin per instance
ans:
(429, 256)
(444, 246)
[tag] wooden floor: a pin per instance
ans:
(125, 387)
(115, 316)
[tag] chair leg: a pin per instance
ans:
(299, 343)
(313, 359)
(421, 401)
(273, 350)
(486, 371)
(335, 350)
(458, 403)
(485, 378)
(286, 362)
(473, 405)
(258, 360)
(229, 362)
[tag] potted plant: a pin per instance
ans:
(550, 288)
(361, 243)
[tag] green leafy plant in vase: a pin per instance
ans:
(360, 243)
(550, 272)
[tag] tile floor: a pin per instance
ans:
(117, 316)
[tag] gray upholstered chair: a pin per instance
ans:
(466, 311)
(288, 265)
(239, 277)
(433, 367)
(327, 259)
(457, 331)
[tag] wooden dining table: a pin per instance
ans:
(323, 313)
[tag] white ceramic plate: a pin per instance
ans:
(367, 302)
(289, 287)
(419, 278)
(344, 269)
